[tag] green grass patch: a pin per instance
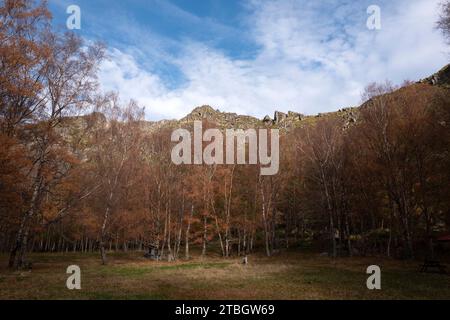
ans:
(290, 275)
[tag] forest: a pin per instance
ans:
(82, 171)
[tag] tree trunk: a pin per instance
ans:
(265, 210)
(205, 235)
(186, 252)
(103, 235)
(224, 250)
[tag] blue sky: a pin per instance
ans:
(254, 57)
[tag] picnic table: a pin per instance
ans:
(433, 265)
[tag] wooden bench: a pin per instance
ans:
(433, 265)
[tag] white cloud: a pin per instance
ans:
(312, 58)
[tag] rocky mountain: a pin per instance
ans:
(281, 120)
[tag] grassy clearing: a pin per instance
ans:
(286, 276)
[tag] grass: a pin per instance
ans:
(290, 275)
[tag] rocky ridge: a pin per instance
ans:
(281, 120)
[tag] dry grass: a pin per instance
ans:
(286, 276)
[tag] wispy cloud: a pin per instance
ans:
(312, 57)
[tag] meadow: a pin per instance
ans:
(289, 275)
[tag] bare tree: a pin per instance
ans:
(115, 151)
(68, 86)
(444, 20)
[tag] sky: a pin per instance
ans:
(254, 57)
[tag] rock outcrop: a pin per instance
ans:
(222, 119)
(440, 78)
(279, 117)
(267, 120)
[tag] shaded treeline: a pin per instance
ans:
(105, 181)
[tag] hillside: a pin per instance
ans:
(280, 119)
